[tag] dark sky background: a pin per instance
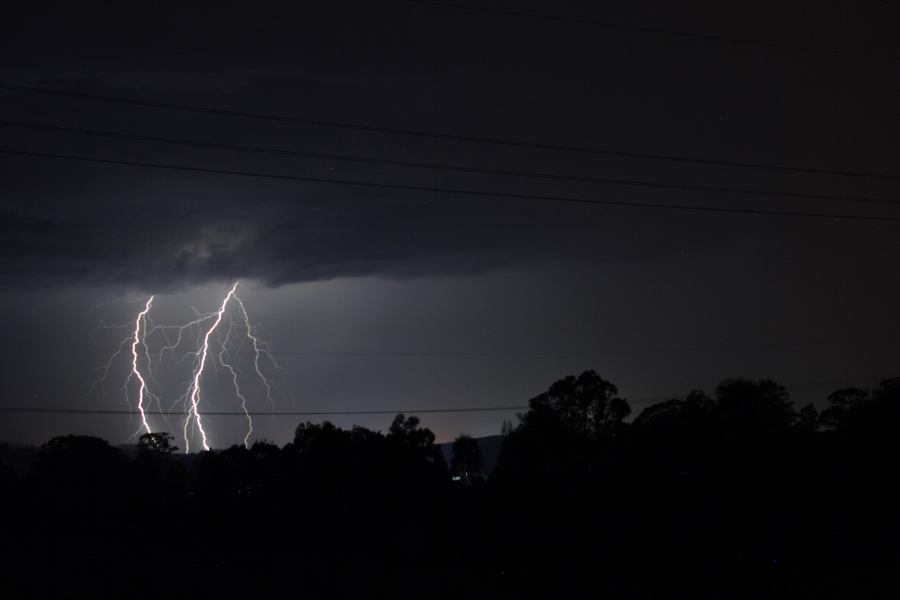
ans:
(380, 299)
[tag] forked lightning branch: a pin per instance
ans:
(227, 328)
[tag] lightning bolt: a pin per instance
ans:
(138, 339)
(145, 337)
(170, 347)
(256, 351)
(194, 390)
(237, 388)
(104, 370)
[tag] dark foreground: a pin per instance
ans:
(736, 496)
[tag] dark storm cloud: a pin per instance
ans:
(138, 231)
(392, 64)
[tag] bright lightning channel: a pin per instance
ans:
(237, 387)
(256, 351)
(142, 367)
(194, 392)
(138, 339)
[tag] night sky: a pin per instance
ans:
(379, 298)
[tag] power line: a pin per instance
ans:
(435, 166)
(470, 192)
(446, 136)
(708, 37)
(469, 409)
(598, 351)
(102, 411)
(594, 352)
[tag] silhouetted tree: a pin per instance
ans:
(311, 437)
(8, 479)
(757, 407)
(419, 441)
(467, 463)
(157, 478)
(80, 460)
(161, 443)
(694, 411)
(873, 418)
(808, 418)
(407, 430)
(840, 402)
(587, 404)
(565, 430)
(82, 473)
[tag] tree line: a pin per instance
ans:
(738, 494)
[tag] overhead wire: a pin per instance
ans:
(453, 137)
(94, 133)
(471, 192)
